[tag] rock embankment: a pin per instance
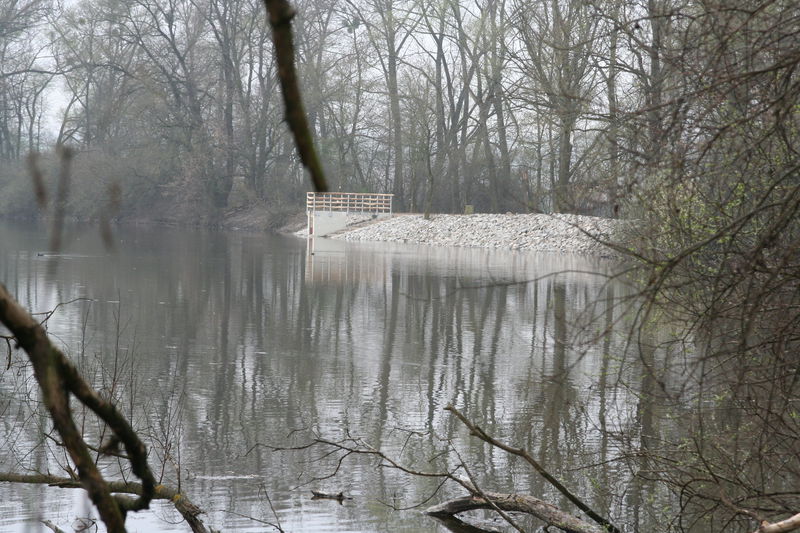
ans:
(550, 233)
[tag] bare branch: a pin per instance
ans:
(519, 452)
(58, 378)
(281, 14)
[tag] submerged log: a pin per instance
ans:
(340, 497)
(521, 503)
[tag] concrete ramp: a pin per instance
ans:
(323, 223)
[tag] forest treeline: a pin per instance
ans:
(505, 105)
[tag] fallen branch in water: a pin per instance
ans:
(188, 510)
(477, 431)
(338, 451)
(519, 503)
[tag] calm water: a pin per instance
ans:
(218, 345)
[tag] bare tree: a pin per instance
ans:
(556, 40)
(717, 195)
(23, 79)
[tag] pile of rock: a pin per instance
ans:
(551, 233)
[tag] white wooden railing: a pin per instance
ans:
(350, 202)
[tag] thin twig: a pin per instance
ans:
(519, 452)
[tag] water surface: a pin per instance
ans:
(220, 345)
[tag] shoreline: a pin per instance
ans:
(560, 233)
(253, 219)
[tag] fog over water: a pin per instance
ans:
(224, 343)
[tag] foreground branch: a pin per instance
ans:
(280, 19)
(57, 378)
(183, 505)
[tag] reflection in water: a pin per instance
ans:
(236, 341)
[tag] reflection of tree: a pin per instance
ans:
(383, 382)
(554, 394)
(59, 380)
(641, 486)
(358, 355)
(604, 491)
(225, 385)
(430, 312)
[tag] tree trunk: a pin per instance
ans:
(397, 137)
(562, 203)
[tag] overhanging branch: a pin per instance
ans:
(58, 379)
(281, 14)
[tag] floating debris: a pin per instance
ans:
(340, 497)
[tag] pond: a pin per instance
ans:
(220, 346)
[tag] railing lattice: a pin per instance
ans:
(351, 202)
